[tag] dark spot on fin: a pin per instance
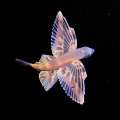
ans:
(73, 86)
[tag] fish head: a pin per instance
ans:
(87, 51)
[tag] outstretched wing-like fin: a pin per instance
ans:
(63, 38)
(72, 78)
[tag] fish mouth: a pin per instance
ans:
(92, 51)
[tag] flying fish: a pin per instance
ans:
(65, 64)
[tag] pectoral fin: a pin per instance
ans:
(72, 78)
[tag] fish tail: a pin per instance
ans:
(22, 62)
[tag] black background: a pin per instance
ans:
(26, 32)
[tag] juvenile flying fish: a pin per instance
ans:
(65, 63)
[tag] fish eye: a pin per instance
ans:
(82, 51)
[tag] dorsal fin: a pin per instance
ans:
(45, 58)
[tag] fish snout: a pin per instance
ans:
(93, 50)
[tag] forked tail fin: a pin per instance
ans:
(22, 62)
(38, 65)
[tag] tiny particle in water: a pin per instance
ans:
(118, 87)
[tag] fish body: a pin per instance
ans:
(65, 63)
(65, 59)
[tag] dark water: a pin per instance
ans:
(29, 26)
